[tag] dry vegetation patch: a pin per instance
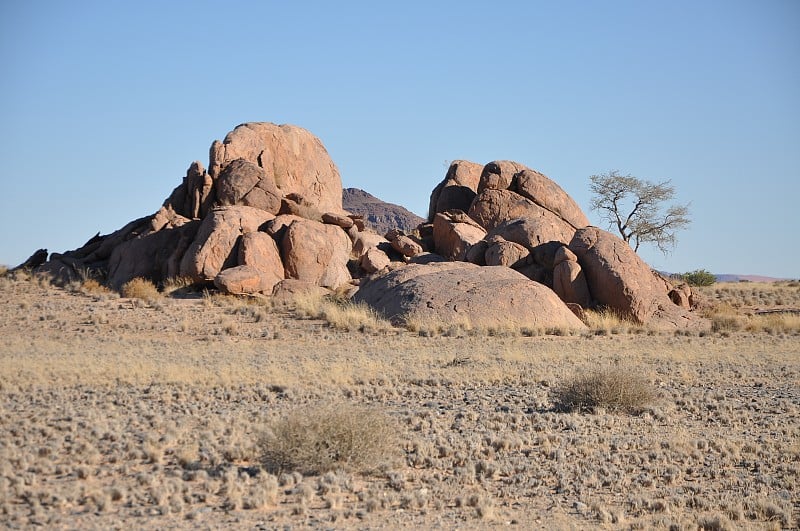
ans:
(324, 438)
(115, 414)
(604, 389)
(140, 288)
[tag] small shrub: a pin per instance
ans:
(91, 286)
(140, 288)
(611, 389)
(336, 436)
(698, 277)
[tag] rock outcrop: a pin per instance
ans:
(293, 158)
(503, 246)
(457, 190)
(453, 233)
(244, 183)
(214, 247)
(316, 253)
(618, 279)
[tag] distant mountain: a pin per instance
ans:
(379, 215)
(745, 278)
(727, 277)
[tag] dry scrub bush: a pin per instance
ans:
(609, 389)
(140, 288)
(341, 313)
(335, 436)
(91, 286)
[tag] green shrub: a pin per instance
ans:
(698, 277)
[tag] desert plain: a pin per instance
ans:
(160, 412)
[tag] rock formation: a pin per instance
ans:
(503, 244)
(457, 190)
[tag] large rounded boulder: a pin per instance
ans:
(293, 158)
(457, 190)
(618, 279)
(316, 253)
(547, 194)
(464, 293)
(215, 245)
(245, 183)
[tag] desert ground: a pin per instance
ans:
(200, 411)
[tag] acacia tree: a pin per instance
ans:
(636, 208)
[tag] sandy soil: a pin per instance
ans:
(118, 413)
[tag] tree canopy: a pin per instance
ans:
(637, 209)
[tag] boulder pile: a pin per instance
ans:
(502, 245)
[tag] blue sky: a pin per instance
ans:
(105, 104)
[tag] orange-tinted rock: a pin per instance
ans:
(214, 247)
(457, 189)
(498, 175)
(544, 192)
(459, 292)
(453, 238)
(242, 182)
(374, 260)
(291, 156)
(243, 280)
(494, 207)
(259, 251)
(316, 253)
(500, 252)
(406, 246)
(620, 280)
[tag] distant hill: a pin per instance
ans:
(745, 278)
(728, 277)
(379, 215)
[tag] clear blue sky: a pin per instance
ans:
(104, 105)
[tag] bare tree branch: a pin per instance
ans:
(636, 208)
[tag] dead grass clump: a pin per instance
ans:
(610, 389)
(775, 323)
(335, 436)
(177, 284)
(140, 288)
(91, 286)
(606, 321)
(341, 313)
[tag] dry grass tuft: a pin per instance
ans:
(609, 389)
(775, 323)
(91, 286)
(342, 314)
(331, 437)
(140, 288)
(463, 327)
(606, 322)
(176, 284)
